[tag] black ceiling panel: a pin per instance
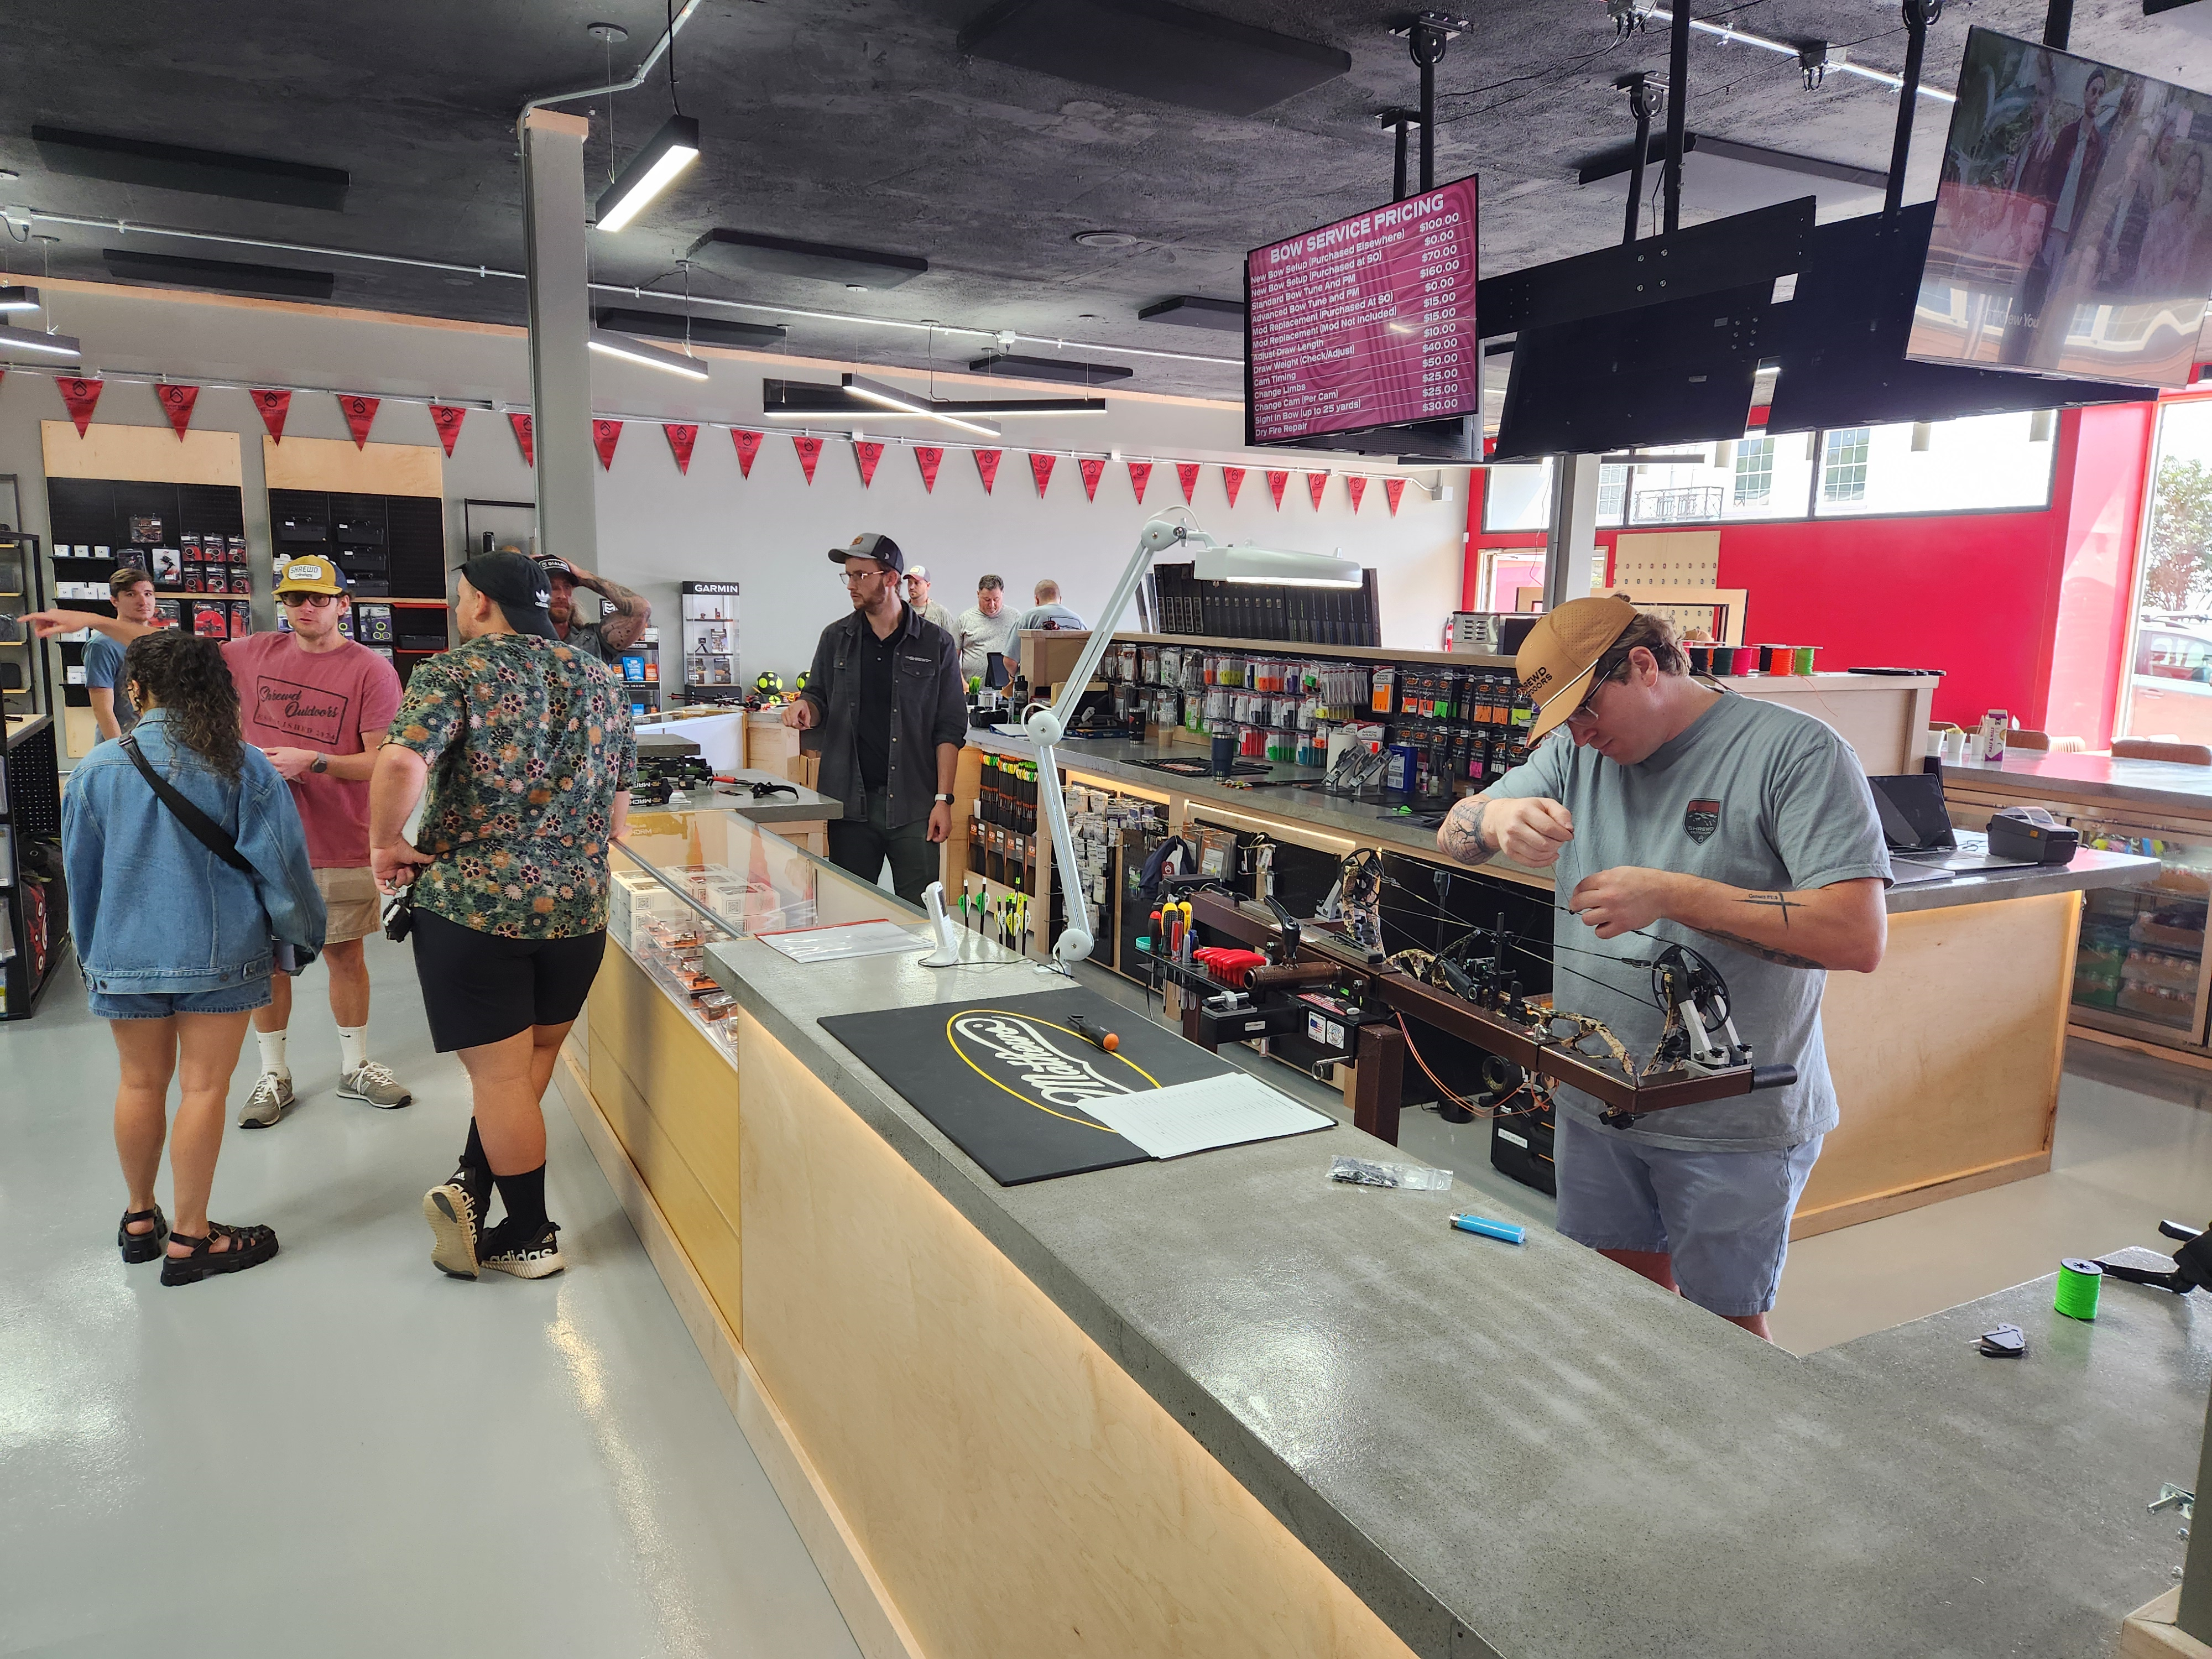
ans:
(202, 171)
(224, 275)
(702, 330)
(743, 252)
(1049, 368)
(1191, 310)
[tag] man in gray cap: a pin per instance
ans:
(885, 706)
(917, 595)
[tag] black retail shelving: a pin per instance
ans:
(33, 900)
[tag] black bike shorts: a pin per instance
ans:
(480, 988)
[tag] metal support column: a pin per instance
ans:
(560, 325)
(1918, 15)
(1678, 112)
(1646, 98)
(1571, 545)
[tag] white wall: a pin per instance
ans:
(770, 533)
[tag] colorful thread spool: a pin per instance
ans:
(2078, 1284)
(1804, 655)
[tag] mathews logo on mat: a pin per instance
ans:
(1032, 1060)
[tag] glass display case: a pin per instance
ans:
(2141, 966)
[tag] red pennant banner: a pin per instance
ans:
(1092, 469)
(867, 452)
(523, 436)
(810, 451)
(274, 406)
(1276, 481)
(359, 414)
(748, 445)
(1357, 485)
(447, 418)
(605, 435)
(177, 402)
(1187, 472)
(681, 437)
(986, 466)
(82, 397)
(1041, 470)
(1233, 480)
(928, 460)
(1316, 483)
(1140, 474)
(1394, 488)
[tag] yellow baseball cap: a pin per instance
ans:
(1557, 659)
(309, 574)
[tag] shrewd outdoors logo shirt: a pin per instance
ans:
(528, 741)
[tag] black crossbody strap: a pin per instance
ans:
(204, 830)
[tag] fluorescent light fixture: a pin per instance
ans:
(651, 171)
(29, 339)
(13, 297)
(636, 351)
(1267, 564)
(910, 402)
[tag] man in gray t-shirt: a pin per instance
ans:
(1674, 813)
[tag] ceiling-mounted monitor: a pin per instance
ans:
(2073, 230)
(1365, 323)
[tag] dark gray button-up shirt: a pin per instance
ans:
(929, 707)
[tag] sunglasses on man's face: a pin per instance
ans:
(307, 601)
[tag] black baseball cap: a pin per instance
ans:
(517, 585)
(551, 563)
(869, 545)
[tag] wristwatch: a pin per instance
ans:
(944, 799)
(320, 763)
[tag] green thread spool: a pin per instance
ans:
(2077, 1288)
(1804, 656)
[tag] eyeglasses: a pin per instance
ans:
(1606, 672)
(307, 601)
(855, 578)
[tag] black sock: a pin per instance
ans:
(472, 1155)
(526, 1200)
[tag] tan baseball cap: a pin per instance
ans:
(310, 572)
(1557, 659)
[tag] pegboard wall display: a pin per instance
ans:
(391, 549)
(1684, 558)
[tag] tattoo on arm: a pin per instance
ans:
(626, 614)
(1460, 836)
(626, 600)
(1767, 953)
(1781, 901)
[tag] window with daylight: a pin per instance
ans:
(1843, 464)
(1754, 472)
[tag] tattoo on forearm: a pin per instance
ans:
(1462, 834)
(624, 599)
(1765, 953)
(1781, 901)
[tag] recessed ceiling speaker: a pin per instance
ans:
(743, 252)
(1154, 48)
(223, 276)
(1049, 368)
(1225, 315)
(704, 331)
(202, 171)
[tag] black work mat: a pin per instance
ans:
(1202, 767)
(1005, 1078)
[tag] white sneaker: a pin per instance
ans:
(372, 1082)
(271, 1099)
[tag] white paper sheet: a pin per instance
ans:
(1196, 1117)
(845, 942)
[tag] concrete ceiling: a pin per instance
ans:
(860, 122)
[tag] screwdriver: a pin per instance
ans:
(1090, 1034)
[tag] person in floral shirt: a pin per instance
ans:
(525, 747)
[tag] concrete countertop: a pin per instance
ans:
(1532, 1453)
(1121, 760)
(2031, 775)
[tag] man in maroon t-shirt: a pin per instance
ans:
(317, 705)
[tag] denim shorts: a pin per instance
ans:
(1723, 1217)
(231, 1000)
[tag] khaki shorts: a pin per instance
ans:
(356, 907)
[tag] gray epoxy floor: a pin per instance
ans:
(342, 1452)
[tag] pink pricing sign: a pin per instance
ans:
(1367, 322)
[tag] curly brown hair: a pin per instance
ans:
(186, 675)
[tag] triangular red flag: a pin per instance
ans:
(810, 451)
(1140, 474)
(1394, 488)
(1233, 480)
(1041, 470)
(177, 402)
(1316, 483)
(521, 424)
(274, 406)
(1356, 483)
(928, 460)
(1275, 483)
(447, 418)
(986, 467)
(359, 414)
(681, 436)
(605, 435)
(748, 445)
(1188, 471)
(1090, 467)
(867, 452)
(82, 397)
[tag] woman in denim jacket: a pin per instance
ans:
(174, 943)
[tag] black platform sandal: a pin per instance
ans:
(142, 1246)
(249, 1247)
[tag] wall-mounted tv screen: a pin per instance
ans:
(1368, 322)
(2073, 222)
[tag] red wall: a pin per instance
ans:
(2024, 611)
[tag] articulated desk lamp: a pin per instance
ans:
(1213, 561)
